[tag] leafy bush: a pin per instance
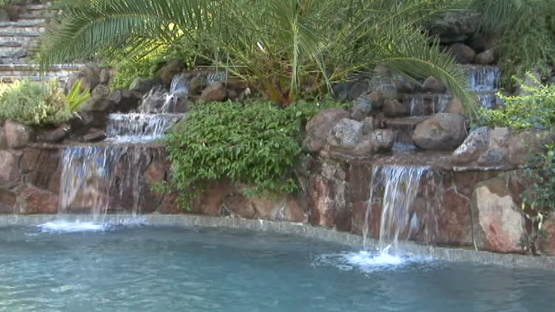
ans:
(33, 103)
(535, 108)
(253, 143)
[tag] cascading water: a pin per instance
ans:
(485, 81)
(395, 190)
(103, 177)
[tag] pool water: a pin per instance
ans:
(149, 268)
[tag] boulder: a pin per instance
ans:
(98, 103)
(196, 85)
(546, 243)
(100, 91)
(56, 135)
(215, 92)
(455, 106)
(104, 76)
(319, 126)
(382, 140)
(454, 26)
(385, 87)
(341, 90)
(462, 53)
(169, 70)
(17, 135)
(88, 80)
(347, 133)
(144, 85)
(365, 104)
(239, 205)
(3, 141)
(499, 225)
(473, 146)
(485, 58)
(432, 85)
(94, 135)
(357, 89)
(392, 108)
(443, 131)
(9, 171)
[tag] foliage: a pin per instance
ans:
(534, 108)
(33, 103)
(526, 32)
(288, 49)
(252, 143)
(76, 97)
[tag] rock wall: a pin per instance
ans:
(478, 209)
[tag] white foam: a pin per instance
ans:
(369, 261)
(70, 227)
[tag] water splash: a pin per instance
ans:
(71, 227)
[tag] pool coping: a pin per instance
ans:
(303, 230)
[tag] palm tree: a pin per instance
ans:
(286, 47)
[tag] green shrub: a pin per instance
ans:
(253, 143)
(33, 103)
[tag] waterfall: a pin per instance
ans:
(485, 81)
(408, 199)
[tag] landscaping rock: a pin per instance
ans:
(239, 206)
(473, 146)
(392, 108)
(9, 170)
(17, 135)
(3, 141)
(57, 135)
(382, 140)
(485, 58)
(357, 89)
(455, 107)
(319, 126)
(104, 76)
(454, 26)
(385, 87)
(215, 92)
(432, 85)
(144, 85)
(498, 223)
(100, 91)
(94, 135)
(346, 133)
(462, 53)
(169, 70)
(443, 131)
(124, 100)
(88, 81)
(365, 104)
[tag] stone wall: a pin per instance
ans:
(469, 209)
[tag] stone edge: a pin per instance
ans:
(303, 230)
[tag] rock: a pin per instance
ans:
(480, 42)
(523, 144)
(57, 135)
(83, 121)
(546, 242)
(455, 107)
(196, 85)
(485, 58)
(7, 201)
(385, 87)
(346, 133)
(462, 53)
(440, 132)
(17, 135)
(14, 11)
(215, 92)
(365, 104)
(341, 90)
(499, 225)
(98, 103)
(37, 201)
(368, 123)
(357, 89)
(239, 206)
(144, 85)
(432, 85)
(88, 81)
(405, 85)
(125, 100)
(94, 135)
(169, 70)
(319, 126)
(329, 205)
(454, 26)
(496, 154)
(104, 76)
(392, 108)
(382, 140)
(3, 141)
(9, 171)
(4, 16)
(473, 146)
(100, 91)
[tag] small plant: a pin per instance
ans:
(33, 103)
(76, 97)
(253, 143)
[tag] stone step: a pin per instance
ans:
(11, 79)
(36, 16)
(27, 70)
(404, 128)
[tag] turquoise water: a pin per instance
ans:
(147, 268)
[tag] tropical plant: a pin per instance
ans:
(33, 103)
(286, 48)
(76, 96)
(525, 30)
